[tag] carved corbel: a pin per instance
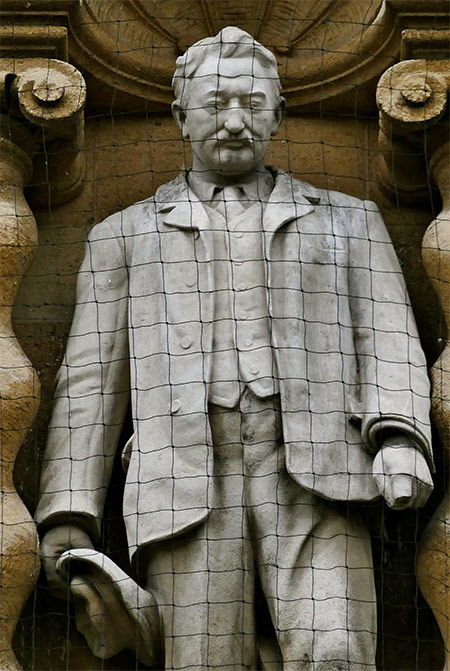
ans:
(42, 102)
(415, 162)
(50, 95)
(412, 99)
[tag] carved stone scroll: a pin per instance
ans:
(413, 100)
(42, 99)
(50, 95)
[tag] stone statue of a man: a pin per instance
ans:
(261, 330)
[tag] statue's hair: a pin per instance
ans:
(230, 42)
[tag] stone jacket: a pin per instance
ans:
(344, 338)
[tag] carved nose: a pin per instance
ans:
(234, 123)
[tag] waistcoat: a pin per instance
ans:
(242, 353)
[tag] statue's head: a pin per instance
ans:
(228, 102)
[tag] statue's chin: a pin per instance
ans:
(236, 167)
(236, 161)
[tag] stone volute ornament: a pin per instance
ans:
(412, 97)
(415, 160)
(42, 100)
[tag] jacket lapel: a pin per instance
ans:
(177, 205)
(179, 208)
(286, 203)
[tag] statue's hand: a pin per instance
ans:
(402, 477)
(56, 541)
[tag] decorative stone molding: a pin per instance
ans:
(412, 97)
(36, 28)
(42, 102)
(40, 40)
(413, 94)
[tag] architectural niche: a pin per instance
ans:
(331, 55)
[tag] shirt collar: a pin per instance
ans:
(257, 187)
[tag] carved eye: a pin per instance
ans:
(256, 105)
(214, 106)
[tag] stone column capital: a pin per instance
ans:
(412, 98)
(412, 95)
(49, 93)
(46, 95)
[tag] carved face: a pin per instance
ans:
(231, 109)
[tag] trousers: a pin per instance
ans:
(311, 559)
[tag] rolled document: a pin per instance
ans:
(111, 610)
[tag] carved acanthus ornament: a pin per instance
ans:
(415, 162)
(42, 103)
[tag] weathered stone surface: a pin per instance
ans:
(433, 564)
(48, 94)
(19, 397)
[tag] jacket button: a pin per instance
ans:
(176, 405)
(186, 342)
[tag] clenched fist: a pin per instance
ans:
(56, 541)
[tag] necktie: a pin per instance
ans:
(227, 201)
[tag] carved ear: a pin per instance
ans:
(180, 117)
(279, 115)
